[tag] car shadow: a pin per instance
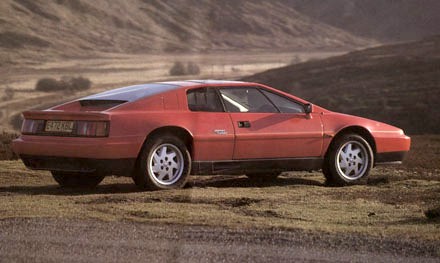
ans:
(120, 188)
(57, 190)
(244, 182)
(417, 221)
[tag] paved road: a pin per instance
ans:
(62, 240)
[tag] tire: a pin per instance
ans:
(348, 161)
(77, 180)
(269, 176)
(164, 163)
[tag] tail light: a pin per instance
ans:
(92, 128)
(80, 128)
(32, 126)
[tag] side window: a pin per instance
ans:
(246, 99)
(284, 104)
(204, 99)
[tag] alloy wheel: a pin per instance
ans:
(352, 160)
(166, 164)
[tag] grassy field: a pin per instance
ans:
(392, 204)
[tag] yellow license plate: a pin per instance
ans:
(59, 126)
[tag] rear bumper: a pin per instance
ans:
(122, 167)
(126, 147)
(390, 158)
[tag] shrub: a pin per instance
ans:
(80, 83)
(178, 69)
(433, 213)
(192, 68)
(48, 85)
(66, 84)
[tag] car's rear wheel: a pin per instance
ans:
(263, 176)
(76, 179)
(349, 161)
(165, 163)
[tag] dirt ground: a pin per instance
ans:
(64, 240)
(392, 204)
(395, 216)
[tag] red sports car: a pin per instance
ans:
(160, 133)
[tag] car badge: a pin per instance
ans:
(220, 132)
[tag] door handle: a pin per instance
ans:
(244, 124)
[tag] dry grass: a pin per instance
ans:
(392, 204)
(6, 152)
(116, 70)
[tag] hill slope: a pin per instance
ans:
(397, 84)
(379, 19)
(81, 28)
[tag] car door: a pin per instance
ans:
(269, 125)
(213, 133)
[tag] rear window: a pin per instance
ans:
(204, 99)
(132, 93)
(99, 105)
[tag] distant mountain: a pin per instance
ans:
(397, 84)
(384, 20)
(81, 27)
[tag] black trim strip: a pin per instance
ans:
(390, 157)
(101, 103)
(252, 166)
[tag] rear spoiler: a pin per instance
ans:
(63, 115)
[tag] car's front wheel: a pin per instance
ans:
(349, 160)
(76, 179)
(165, 163)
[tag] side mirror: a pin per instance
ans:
(308, 108)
